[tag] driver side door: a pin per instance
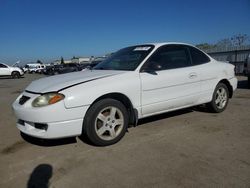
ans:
(168, 81)
(4, 70)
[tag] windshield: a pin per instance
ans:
(126, 59)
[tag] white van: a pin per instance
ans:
(34, 68)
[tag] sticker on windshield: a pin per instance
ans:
(142, 48)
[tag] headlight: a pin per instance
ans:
(47, 99)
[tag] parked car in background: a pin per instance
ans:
(90, 65)
(40, 69)
(63, 68)
(69, 67)
(247, 69)
(94, 63)
(83, 66)
(14, 72)
(25, 68)
(49, 70)
(34, 68)
(134, 83)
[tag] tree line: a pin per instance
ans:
(234, 41)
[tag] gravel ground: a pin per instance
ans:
(186, 148)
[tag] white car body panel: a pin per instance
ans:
(128, 84)
(160, 91)
(5, 71)
(148, 93)
(55, 83)
(62, 122)
(211, 74)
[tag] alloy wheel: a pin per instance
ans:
(109, 123)
(221, 98)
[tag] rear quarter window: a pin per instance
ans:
(198, 57)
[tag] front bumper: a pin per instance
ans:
(57, 121)
(53, 130)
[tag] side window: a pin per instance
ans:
(198, 57)
(169, 57)
(3, 66)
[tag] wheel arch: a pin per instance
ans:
(15, 72)
(133, 113)
(230, 88)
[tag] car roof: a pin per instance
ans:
(158, 44)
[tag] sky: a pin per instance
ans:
(51, 29)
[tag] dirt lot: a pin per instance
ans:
(187, 148)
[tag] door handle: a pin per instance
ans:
(192, 75)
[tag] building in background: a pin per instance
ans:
(236, 55)
(56, 62)
(67, 61)
(82, 60)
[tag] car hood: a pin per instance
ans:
(64, 81)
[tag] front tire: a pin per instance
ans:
(15, 75)
(106, 122)
(220, 99)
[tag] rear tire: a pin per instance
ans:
(105, 122)
(15, 75)
(220, 99)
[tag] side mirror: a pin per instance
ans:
(149, 71)
(151, 67)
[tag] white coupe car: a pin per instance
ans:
(133, 83)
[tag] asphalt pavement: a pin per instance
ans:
(185, 148)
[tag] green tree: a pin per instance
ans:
(239, 39)
(38, 61)
(205, 46)
(224, 43)
(236, 40)
(62, 60)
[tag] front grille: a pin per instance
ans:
(41, 126)
(21, 122)
(23, 99)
